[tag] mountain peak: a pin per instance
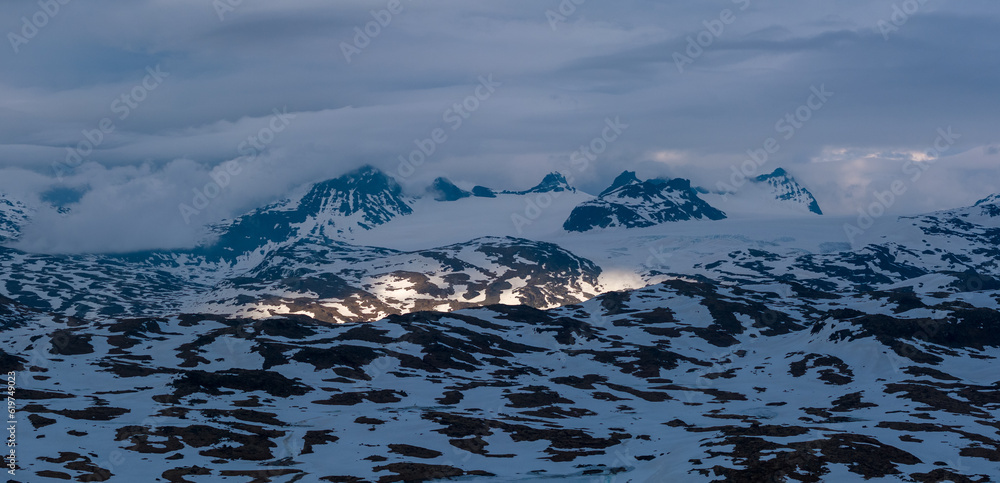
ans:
(552, 182)
(367, 192)
(360, 199)
(444, 190)
(989, 200)
(678, 184)
(367, 177)
(626, 178)
(786, 188)
(366, 169)
(631, 203)
(777, 173)
(483, 192)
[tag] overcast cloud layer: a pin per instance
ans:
(199, 77)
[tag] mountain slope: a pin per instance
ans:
(768, 195)
(14, 215)
(444, 190)
(345, 283)
(989, 200)
(784, 188)
(332, 209)
(631, 203)
(551, 183)
(327, 280)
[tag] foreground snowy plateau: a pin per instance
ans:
(657, 331)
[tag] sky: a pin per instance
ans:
(123, 111)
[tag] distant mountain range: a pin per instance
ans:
(338, 208)
(444, 190)
(323, 250)
(367, 197)
(318, 252)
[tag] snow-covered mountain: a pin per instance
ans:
(989, 200)
(768, 195)
(990, 205)
(631, 203)
(784, 188)
(356, 248)
(332, 210)
(14, 215)
(303, 255)
(345, 283)
(442, 189)
(552, 183)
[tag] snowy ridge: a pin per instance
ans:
(769, 195)
(785, 188)
(551, 183)
(345, 283)
(14, 215)
(989, 200)
(332, 209)
(631, 203)
(442, 189)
